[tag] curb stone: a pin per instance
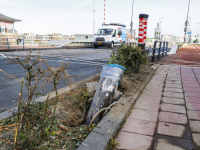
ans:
(100, 136)
(10, 112)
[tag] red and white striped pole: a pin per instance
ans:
(145, 29)
(142, 34)
(141, 31)
(104, 11)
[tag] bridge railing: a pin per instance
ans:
(160, 49)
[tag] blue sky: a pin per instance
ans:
(76, 16)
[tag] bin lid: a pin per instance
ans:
(117, 66)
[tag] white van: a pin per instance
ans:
(110, 35)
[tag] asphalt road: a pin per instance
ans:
(83, 62)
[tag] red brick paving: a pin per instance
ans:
(192, 99)
(144, 115)
(172, 130)
(173, 118)
(192, 94)
(193, 106)
(191, 89)
(173, 108)
(194, 115)
(173, 100)
(139, 126)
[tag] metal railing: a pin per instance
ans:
(8, 43)
(161, 50)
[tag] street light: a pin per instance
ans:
(187, 20)
(93, 17)
(159, 27)
(132, 21)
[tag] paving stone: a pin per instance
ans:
(169, 89)
(152, 93)
(194, 115)
(192, 94)
(173, 100)
(144, 115)
(174, 86)
(196, 140)
(191, 85)
(173, 79)
(173, 94)
(173, 108)
(149, 99)
(171, 143)
(195, 126)
(139, 126)
(147, 106)
(192, 100)
(190, 82)
(133, 141)
(193, 106)
(154, 88)
(191, 89)
(173, 130)
(172, 117)
(173, 82)
(189, 79)
(173, 76)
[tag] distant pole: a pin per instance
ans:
(104, 11)
(93, 17)
(13, 28)
(132, 21)
(187, 20)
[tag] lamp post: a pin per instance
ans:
(159, 27)
(93, 17)
(132, 21)
(187, 21)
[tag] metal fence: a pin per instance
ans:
(9, 43)
(160, 49)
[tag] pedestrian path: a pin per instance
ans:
(167, 114)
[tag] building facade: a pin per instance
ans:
(7, 24)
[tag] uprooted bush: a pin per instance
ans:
(131, 57)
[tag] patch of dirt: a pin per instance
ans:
(132, 82)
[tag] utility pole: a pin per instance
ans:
(93, 17)
(186, 22)
(132, 21)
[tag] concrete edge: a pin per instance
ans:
(108, 127)
(12, 111)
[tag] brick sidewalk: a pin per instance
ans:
(167, 114)
(189, 55)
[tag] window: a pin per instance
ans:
(105, 31)
(114, 34)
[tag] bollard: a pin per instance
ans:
(159, 50)
(166, 48)
(163, 49)
(154, 51)
(7, 43)
(110, 77)
(23, 43)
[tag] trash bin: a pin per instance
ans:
(109, 81)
